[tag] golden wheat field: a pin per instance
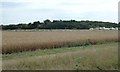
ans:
(29, 41)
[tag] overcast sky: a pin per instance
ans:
(25, 11)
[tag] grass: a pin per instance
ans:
(92, 57)
(30, 41)
(60, 50)
(40, 52)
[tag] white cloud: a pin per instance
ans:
(64, 9)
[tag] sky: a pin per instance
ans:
(26, 11)
(119, 11)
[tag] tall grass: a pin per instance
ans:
(93, 57)
(0, 50)
(29, 41)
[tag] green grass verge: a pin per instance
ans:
(92, 57)
(40, 52)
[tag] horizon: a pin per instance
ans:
(23, 11)
(51, 21)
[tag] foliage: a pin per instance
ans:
(61, 24)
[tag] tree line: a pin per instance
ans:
(60, 24)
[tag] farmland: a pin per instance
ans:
(60, 50)
(25, 41)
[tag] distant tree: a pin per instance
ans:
(36, 24)
(72, 21)
(62, 24)
(47, 21)
(29, 24)
(22, 26)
